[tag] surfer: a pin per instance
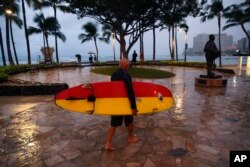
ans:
(121, 74)
(211, 54)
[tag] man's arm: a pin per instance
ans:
(131, 94)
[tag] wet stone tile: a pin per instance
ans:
(149, 163)
(133, 164)
(208, 149)
(70, 153)
(54, 160)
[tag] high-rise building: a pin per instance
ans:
(200, 40)
(243, 44)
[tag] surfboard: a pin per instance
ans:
(111, 98)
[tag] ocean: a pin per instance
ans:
(226, 60)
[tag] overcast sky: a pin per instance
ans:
(71, 27)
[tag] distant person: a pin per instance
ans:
(79, 58)
(90, 59)
(211, 54)
(134, 56)
(121, 74)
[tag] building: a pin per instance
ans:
(200, 40)
(243, 44)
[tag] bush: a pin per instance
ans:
(3, 77)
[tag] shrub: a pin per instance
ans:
(3, 77)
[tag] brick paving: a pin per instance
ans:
(199, 131)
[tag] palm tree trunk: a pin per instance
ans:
(141, 47)
(55, 15)
(26, 33)
(8, 42)
(169, 41)
(219, 23)
(96, 50)
(48, 49)
(154, 42)
(44, 41)
(2, 50)
(13, 42)
(176, 46)
(173, 44)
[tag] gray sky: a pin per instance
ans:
(71, 27)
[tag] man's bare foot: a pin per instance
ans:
(108, 147)
(133, 139)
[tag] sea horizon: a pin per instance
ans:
(226, 60)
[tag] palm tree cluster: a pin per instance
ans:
(47, 26)
(124, 20)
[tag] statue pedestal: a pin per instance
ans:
(215, 81)
(48, 54)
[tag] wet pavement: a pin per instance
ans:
(199, 131)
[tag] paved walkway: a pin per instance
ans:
(199, 131)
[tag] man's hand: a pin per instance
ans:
(134, 112)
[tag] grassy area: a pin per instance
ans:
(136, 72)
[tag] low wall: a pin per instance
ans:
(27, 88)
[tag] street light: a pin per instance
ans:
(8, 12)
(184, 27)
(186, 45)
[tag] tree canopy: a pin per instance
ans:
(130, 18)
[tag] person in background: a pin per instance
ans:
(90, 59)
(121, 74)
(134, 56)
(211, 53)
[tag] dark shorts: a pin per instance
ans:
(117, 120)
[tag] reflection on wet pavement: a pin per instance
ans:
(200, 130)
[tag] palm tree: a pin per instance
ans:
(47, 27)
(166, 23)
(8, 8)
(238, 15)
(2, 50)
(212, 11)
(36, 4)
(1, 37)
(56, 4)
(108, 32)
(91, 33)
(16, 19)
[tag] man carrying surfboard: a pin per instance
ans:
(121, 74)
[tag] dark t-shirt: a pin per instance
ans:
(122, 75)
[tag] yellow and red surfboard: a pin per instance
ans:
(111, 98)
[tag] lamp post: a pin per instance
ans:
(113, 42)
(184, 27)
(186, 46)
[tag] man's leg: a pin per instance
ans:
(129, 124)
(110, 135)
(115, 121)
